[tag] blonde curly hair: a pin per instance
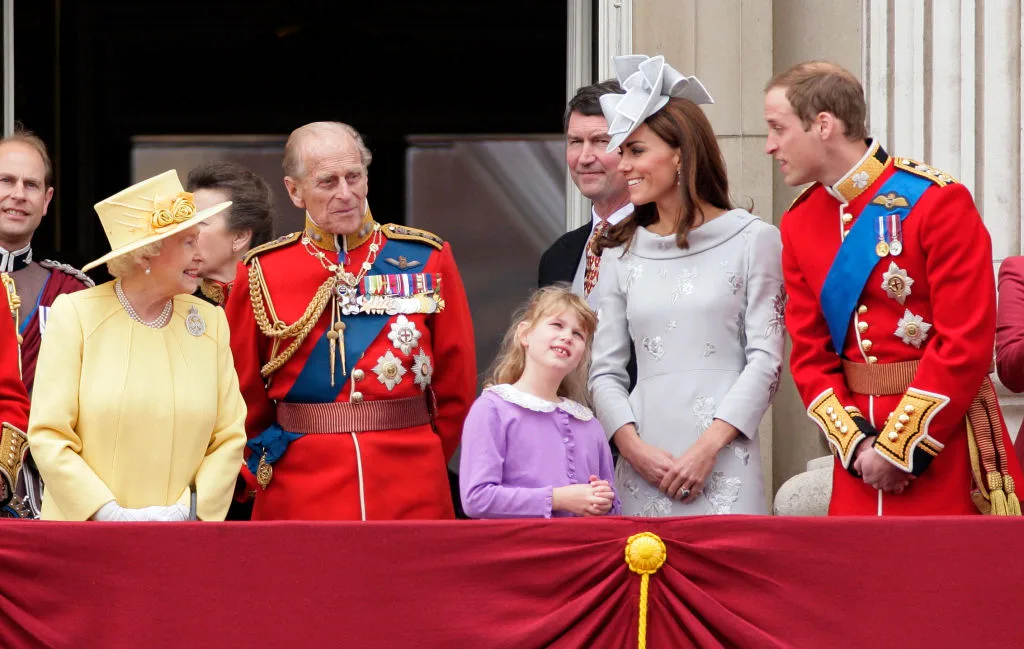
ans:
(510, 362)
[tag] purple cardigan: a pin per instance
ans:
(517, 447)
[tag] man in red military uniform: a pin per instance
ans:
(354, 350)
(888, 268)
(14, 409)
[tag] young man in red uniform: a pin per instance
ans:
(354, 350)
(888, 268)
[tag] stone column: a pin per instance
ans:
(943, 80)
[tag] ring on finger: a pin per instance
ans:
(684, 493)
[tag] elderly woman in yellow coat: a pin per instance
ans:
(136, 399)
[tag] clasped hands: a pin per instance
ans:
(112, 512)
(594, 498)
(877, 472)
(681, 478)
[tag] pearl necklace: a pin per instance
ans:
(161, 320)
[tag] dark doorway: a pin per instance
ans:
(90, 74)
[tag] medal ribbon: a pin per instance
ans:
(856, 257)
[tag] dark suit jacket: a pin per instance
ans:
(559, 264)
(560, 261)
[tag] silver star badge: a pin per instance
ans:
(896, 283)
(422, 369)
(389, 370)
(912, 329)
(404, 335)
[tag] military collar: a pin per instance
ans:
(327, 241)
(863, 175)
(12, 261)
(216, 291)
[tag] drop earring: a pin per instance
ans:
(677, 175)
(148, 270)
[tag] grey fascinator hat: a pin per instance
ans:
(649, 82)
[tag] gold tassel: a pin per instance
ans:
(996, 495)
(1012, 502)
(645, 554)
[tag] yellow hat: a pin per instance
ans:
(147, 212)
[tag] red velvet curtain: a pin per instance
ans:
(731, 581)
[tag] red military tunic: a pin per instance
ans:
(14, 404)
(388, 474)
(934, 303)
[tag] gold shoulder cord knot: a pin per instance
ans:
(645, 554)
(259, 295)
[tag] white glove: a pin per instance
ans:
(112, 512)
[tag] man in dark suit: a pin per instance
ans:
(596, 174)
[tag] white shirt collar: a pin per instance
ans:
(613, 219)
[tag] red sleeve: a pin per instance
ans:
(815, 364)
(1010, 324)
(247, 349)
(958, 263)
(454, 381)
(14, 404)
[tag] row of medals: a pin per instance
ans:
(893, 243)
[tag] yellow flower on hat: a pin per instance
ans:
(170, 210)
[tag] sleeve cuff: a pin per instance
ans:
(841, 431)
(12, 449)
(904, 441)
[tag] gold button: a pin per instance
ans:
(829, 410)
(898, 426)
(862, 327)
(894, 436)
(358, 375)
(390, 370)
(911, 329)
(847, 218)
(862, 309)
(845, 232)
(844, 430)
(909, 409)
(866, 345)
(872, 359)
(904, 419)
(357, 397)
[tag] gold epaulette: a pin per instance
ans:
(406, 233)
(940, 178)
(271, 245)
(804, 193)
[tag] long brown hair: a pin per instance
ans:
(683, 126)
(508, 366)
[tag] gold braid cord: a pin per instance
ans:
(259, 294)
(645, 554)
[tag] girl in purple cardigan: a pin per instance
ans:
(530, 448)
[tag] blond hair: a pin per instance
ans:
(510, 363)
(816, 87)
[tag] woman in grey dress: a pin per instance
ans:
(696, 285)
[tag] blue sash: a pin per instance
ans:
(857, 257)
(313, 383)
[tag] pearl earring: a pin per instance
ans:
(148, 270)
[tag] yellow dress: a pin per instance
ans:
(127, 412)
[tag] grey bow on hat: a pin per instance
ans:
(649, 82)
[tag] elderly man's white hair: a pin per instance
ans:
(318, 133)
